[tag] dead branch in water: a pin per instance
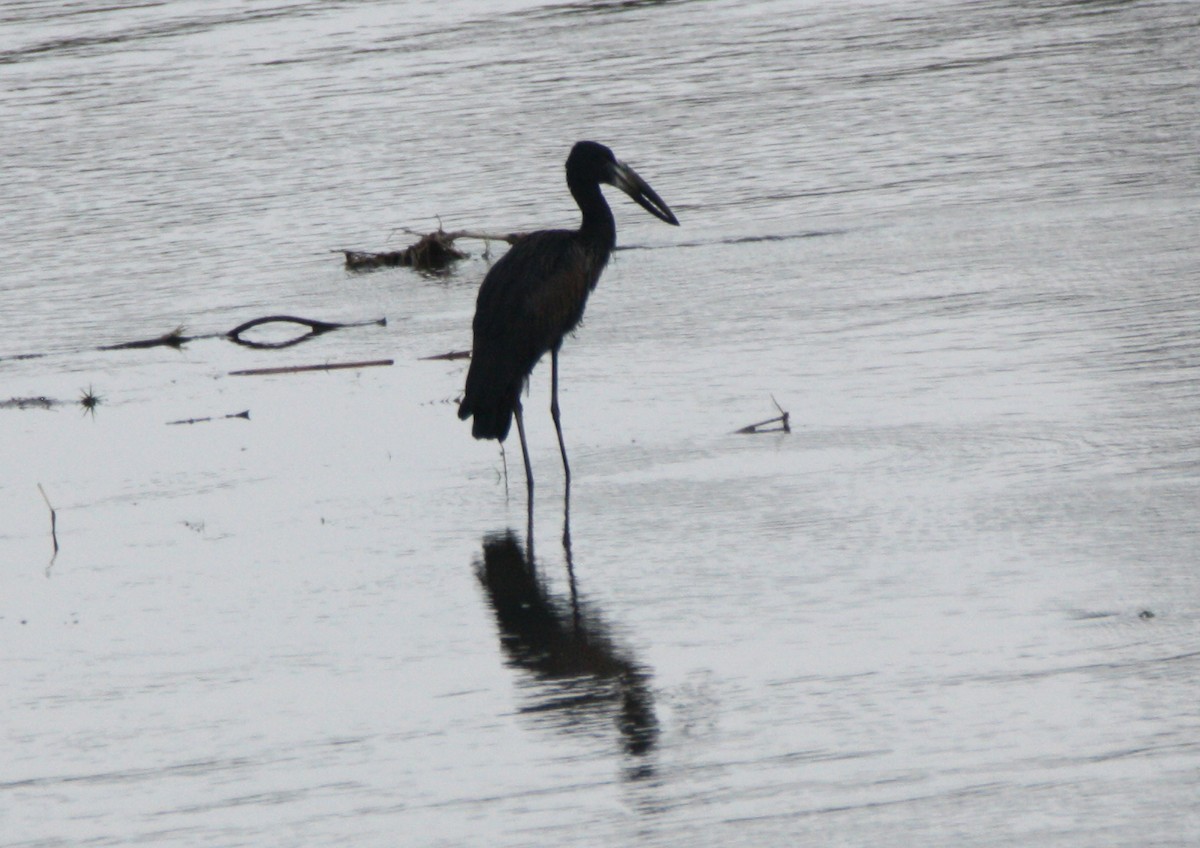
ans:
(245, 413)
(450, 357)
(762, 426)
(431, 252)
(298, 369)
(176, 339)
(53, 520)
(315, 328)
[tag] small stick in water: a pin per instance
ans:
(53, 519)
(245, 413)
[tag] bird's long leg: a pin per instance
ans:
(504, 462)
(554, 414)
(524, 451)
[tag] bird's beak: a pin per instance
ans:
(628, 181)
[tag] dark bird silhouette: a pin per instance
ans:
(536, 293)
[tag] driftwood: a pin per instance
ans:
(299, 369)
(431, 252)
(763, 426)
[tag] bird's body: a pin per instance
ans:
(533, 296)
(536, 294)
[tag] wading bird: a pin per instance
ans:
(535, 294)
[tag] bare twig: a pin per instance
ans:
(245, 413)
(297, 369)
(53, 519)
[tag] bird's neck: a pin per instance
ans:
(598, 226)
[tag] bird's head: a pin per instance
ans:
(592, 162)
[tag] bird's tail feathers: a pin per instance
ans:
(492, 423)
(491, 402)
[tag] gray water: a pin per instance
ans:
(956, 605)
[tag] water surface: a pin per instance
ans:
(956, 605)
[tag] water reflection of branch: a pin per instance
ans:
(584, 678)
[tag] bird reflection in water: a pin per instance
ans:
(585, 680)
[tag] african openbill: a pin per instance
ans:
(535, 294)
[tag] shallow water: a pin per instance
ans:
(956, 605)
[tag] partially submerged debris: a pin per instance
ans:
(434, 252)
(764, 426)
(431, 252)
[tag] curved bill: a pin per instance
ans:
(628, 181)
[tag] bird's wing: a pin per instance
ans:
(537, 289)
